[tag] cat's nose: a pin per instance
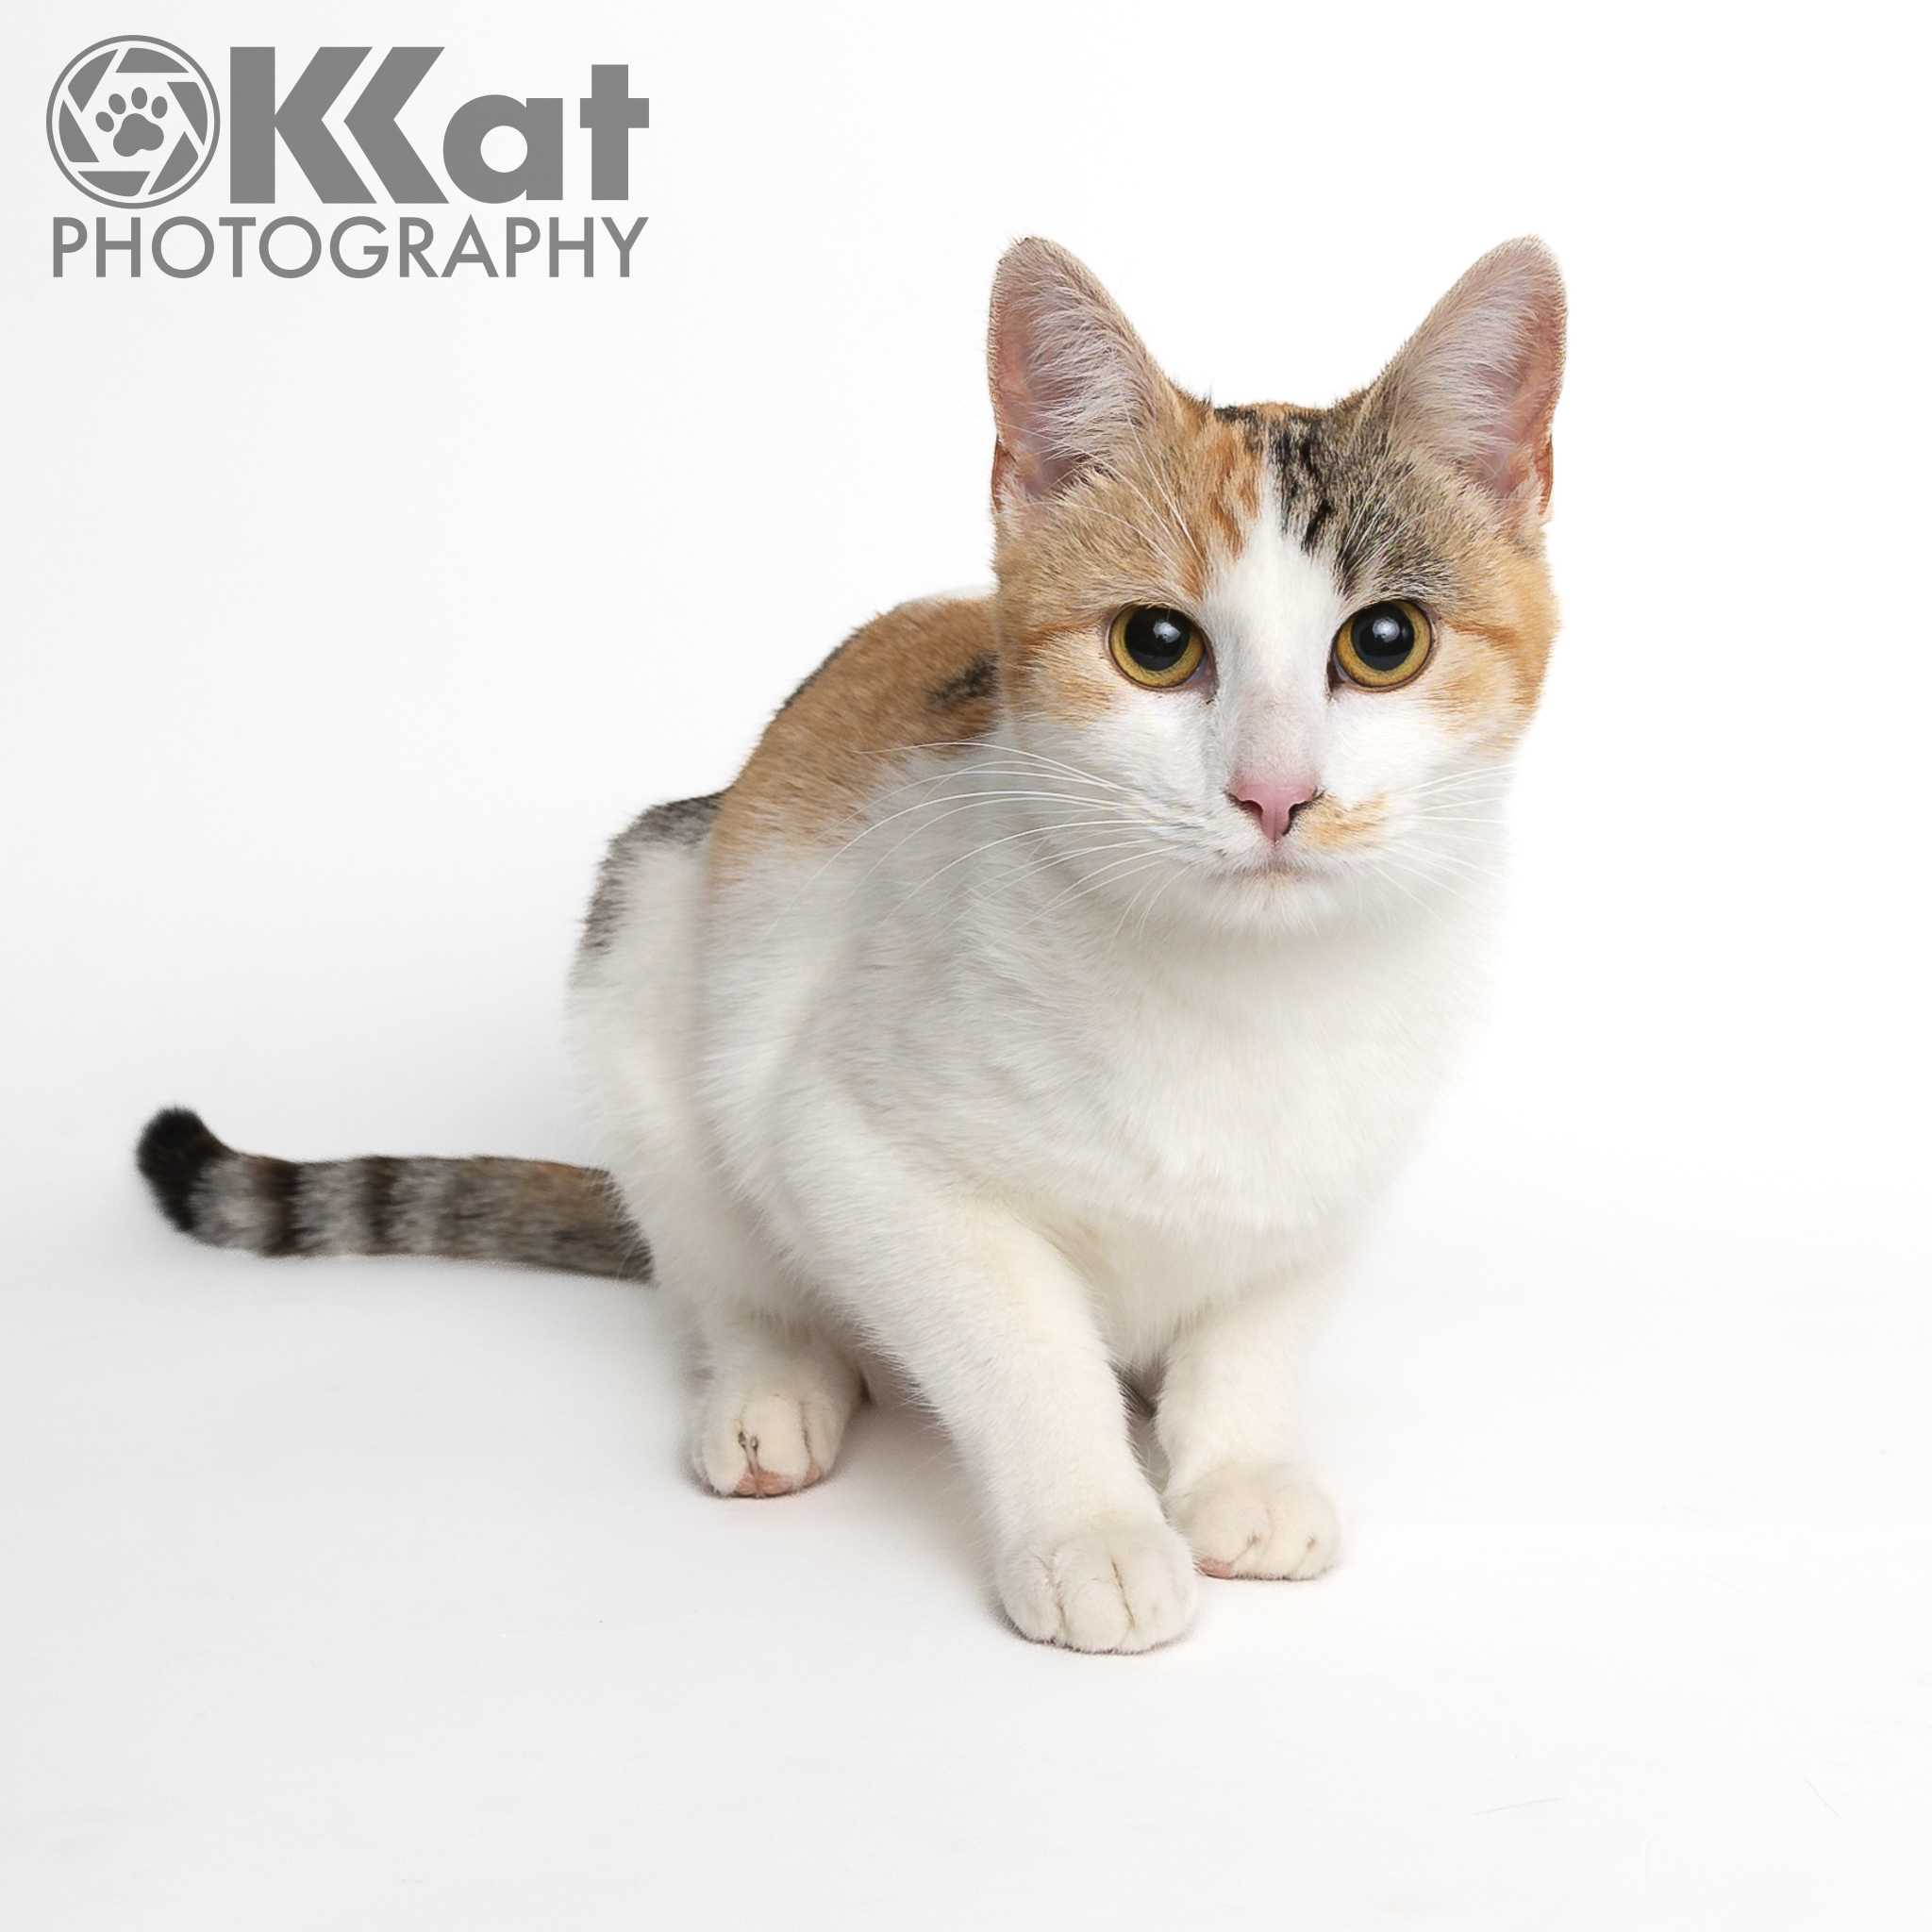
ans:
(1274, 806)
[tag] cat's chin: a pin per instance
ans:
(1287, 892)
(1280, 894)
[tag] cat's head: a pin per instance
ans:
(1295, 647)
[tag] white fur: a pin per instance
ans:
(1057, 1071)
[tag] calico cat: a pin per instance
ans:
(1046, 1003)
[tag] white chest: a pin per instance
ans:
(1241, 1098)
(1183, 1114)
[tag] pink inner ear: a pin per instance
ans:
(1523, 396)
(1068, 374)
(1039, 464)
(1478, 383)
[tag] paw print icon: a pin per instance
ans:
(132, 130)
(133, 122)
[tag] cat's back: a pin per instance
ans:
(920, 681)
(923, 677)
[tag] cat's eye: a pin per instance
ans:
(1157, 647)
(1383, 646)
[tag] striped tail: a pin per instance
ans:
(538, 1213)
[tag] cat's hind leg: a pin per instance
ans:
(772, 1407)
(773, 1389)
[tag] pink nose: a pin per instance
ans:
(1274, 806)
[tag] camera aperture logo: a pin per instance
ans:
(135, 122)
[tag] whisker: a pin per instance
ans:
(993, 844)
(1093, 881)
(1003, 749)
(1139, 931)
(1118, 873)
(961, 801)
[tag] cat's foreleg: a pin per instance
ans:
(995, 1330)
(1225, 1422)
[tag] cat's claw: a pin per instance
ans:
(768, 1442)
(1122, 1587)
(1258, 1520)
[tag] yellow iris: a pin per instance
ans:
(1157, 647)
(1383, 646)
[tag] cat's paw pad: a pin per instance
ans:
(1265, 1520)
(768, 1440)
(1122, 1587)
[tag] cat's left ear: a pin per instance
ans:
(1070, 378)
(1476, 385)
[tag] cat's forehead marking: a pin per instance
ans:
(1272, 607)
(1377, 522)
(1383, 525)
(1300, 457)
(1388, 524)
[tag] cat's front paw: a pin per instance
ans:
(765, 1440)
(1115, 1587)
(1257, 1520)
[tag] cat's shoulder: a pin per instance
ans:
(924, 676)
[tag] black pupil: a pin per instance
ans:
(1158, 639)
(1384, 637)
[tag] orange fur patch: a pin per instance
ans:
(1328, 826)
(1495, 650)
(924, 674)
(1151, 528)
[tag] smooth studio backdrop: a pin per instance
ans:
(346, 621)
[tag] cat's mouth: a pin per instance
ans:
(1279, 845)
(1289, 859)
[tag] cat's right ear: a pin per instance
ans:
(1069, 376)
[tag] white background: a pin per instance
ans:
(346, 621)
